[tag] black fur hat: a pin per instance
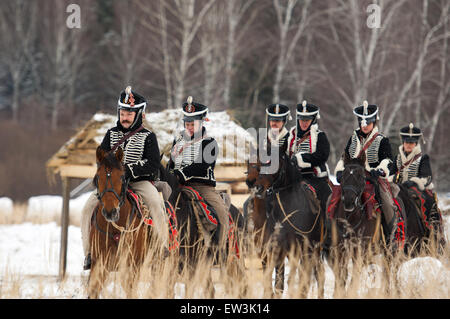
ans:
(307, 111)
(278, 112)
(366, 113)
(193, 110)
(410, 134)
(133, 102)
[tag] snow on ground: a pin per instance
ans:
(29, 253)
(6, 205)
(47, 208)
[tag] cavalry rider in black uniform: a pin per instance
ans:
(413, 170)
(193, 158)
(308, 148)
(379, 164)
(141, 162)
(277, 133)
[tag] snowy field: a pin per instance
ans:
(29, 256)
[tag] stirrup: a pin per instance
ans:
(87, 262)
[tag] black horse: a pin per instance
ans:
(420, 234)
(295, 223)
(198, 240)
(358, 225)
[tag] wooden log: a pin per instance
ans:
(230, 173)
(239, 188)
(64, 227)
(78, 171)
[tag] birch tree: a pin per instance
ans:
(186, 18)
(18, 35)
(286, 23)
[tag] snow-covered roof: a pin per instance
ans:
(233, 140)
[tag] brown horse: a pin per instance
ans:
(295, 224)
(258, 208)
(118, 232)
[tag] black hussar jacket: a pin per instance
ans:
(141, 152)
(414, 167)
(279, 140)
(311, 152)
(193, 158)
(378, 154)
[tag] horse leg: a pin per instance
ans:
(96, 279)
(319, 274)
(340, 270)
(279, 279)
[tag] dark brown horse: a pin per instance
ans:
(118, 230)
(257, 203)
(198, 246)
(420, 233)
(295, 225)
(357, 225)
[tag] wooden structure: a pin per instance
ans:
(76, 158)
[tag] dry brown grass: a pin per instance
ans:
(424, 276)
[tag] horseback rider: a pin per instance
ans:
(141, 162)
(308, 148)
(413, 169)
(379, 164)
(193, 158)
(277, 116)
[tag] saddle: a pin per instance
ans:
(369, 199)
(425, 201)
(143, 212)
(205, 214)
(208, 220)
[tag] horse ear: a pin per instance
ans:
(346, 158)
(100, 154)
(119, 154)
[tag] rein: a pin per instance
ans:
(286, 217)
(122, 199)
(110, 189)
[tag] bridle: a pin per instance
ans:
(359, 206)
(349, 187)
(110, 189)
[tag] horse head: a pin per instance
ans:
(353, 182)
(273, 172)
(110, 183)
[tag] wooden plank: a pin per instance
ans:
(230, 173)
(64, 228)
(239, 188)
(78, 171)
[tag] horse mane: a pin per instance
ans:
(358, 160)
(111, 161)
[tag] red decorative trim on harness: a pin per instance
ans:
(422, 206)
(173, 233)
(231, 238)
(400, 231)
(205, 207)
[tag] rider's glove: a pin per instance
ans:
(339, 177)
(375, 173)
(128, 174)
